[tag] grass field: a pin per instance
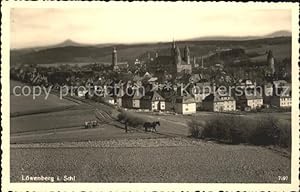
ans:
(23, 104)
(27, 103)
(54, 120)
(151, 160)
(280, 51)
(28, 114)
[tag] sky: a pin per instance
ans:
(132, 24)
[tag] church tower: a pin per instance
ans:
(177, 56)
(173, 48)
(271, 62)
(114, 58)
(186, 55)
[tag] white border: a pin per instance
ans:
(5, 180)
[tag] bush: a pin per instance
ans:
(237, 129)
(130, 118)
(265, 132)
(196, 128)
(285, 139)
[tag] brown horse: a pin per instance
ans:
(151, 125)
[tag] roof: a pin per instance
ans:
(246, 81)
(185, 99)
(280, 82)
(134, 93)
(251, 96)
(147, 74)
(137, 78)
(218, 97)
(120, 92)
(195, 77)
(153, 96)
(153, 79)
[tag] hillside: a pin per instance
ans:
(74, 53)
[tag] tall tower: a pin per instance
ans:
(177, 56)
(173, 48)
(114, 58)
(271, 62)
(195, 65)
(186, 55)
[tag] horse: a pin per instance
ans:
(87, 124)
(90, 124)
(94, 123)
(151, 125)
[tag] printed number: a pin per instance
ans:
(283, 178)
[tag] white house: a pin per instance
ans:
(219, 103)
(153, 101)
(185, 105)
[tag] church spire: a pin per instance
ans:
(186, 55)
(114, 58)
(173, 48)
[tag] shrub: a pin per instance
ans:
(229, 128)
(285, 135)
(265, 132)
(196, 128)
(130, 118)
(237, 129)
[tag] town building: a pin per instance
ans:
(108, 99)
(219, 102)
(118, 96)
(173, 64)
(153, 101)
(251, 99)
(181, 104)
(284, 101)
(271, 62)
(185, 105)
(118, 66)
(282, 96)
(200, 91)
(133, 98)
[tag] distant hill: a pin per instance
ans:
(242, 38)
(66, 43)
(72, 52)
(280, 34)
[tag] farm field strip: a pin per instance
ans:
(183, 161)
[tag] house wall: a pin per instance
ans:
(169, 106)
(145, 104)
(110, 101)
(218, 106)
(154, 105)
(224, 106)
(281, 101)
(119, 101)
(254, 103)
(285, 102)
(185, 108)
(136, 103)
(162, 105)
(126, 102)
